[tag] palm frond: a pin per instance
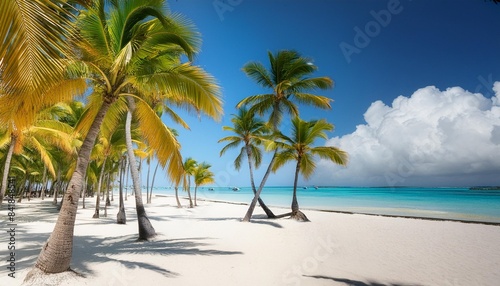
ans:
(307, 165)
(190, 83)
(282, 158)
(331, 153)
(160, 139)
(258, 73)
(22, 108)
(312, 84)
(314, 100)
(33, 41)
(235, 142)
(44, 156)
(239, 158)
(254, 99)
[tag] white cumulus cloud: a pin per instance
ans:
(432, 138)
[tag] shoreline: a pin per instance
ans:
(354, 213)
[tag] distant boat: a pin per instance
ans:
(305, 188)
(210, 189)
(236, 189)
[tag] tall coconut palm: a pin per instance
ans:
(118, 46)
(189, 168)
(146, 230)
(33, 57)
(249, 131)
(202, 176)
(289, 80)
(299, 147)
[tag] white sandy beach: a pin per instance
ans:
(208, 245)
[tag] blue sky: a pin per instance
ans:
(376, 52)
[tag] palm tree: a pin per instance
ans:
(33, 57)
(202, 176)
(299, 148)
(46, 136)
(189, 168)
(119, 47)
(249, 131)
(288, 79)
(146, 230)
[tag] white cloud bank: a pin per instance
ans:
(433, 138)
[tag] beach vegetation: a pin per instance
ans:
(38, 145)
(249, 131)
(289, 80)
(202, 176)
(126, 49)
(189, 167)
(299, 147)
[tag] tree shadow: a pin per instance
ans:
(266, 222)
(350, 282)
(110, 248)
(93, 250)
(219, 219)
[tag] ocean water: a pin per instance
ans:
(442, 203)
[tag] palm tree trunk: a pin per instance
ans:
(121, 217)
(44, 184)
(296, 213)
(108, 189)
(56, 253)
(54, 191)
(108, 202)
(195, 190)
(177, 197)
(146, 230)
(126, 180)
(257, 198)
(22, 190)
(189, 194)
(153, 182)
(6, 167)
(148, 201)
(84, 192)
(99, 187)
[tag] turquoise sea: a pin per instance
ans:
(442, 203)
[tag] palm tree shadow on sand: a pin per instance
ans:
(91, 250)
(350, 282)
(108, 249)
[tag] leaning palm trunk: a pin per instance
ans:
(56, 253)
(177, 197)
(7, 167)
(257, 198)
(296, 213)
(189, 196)
(146, 230)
